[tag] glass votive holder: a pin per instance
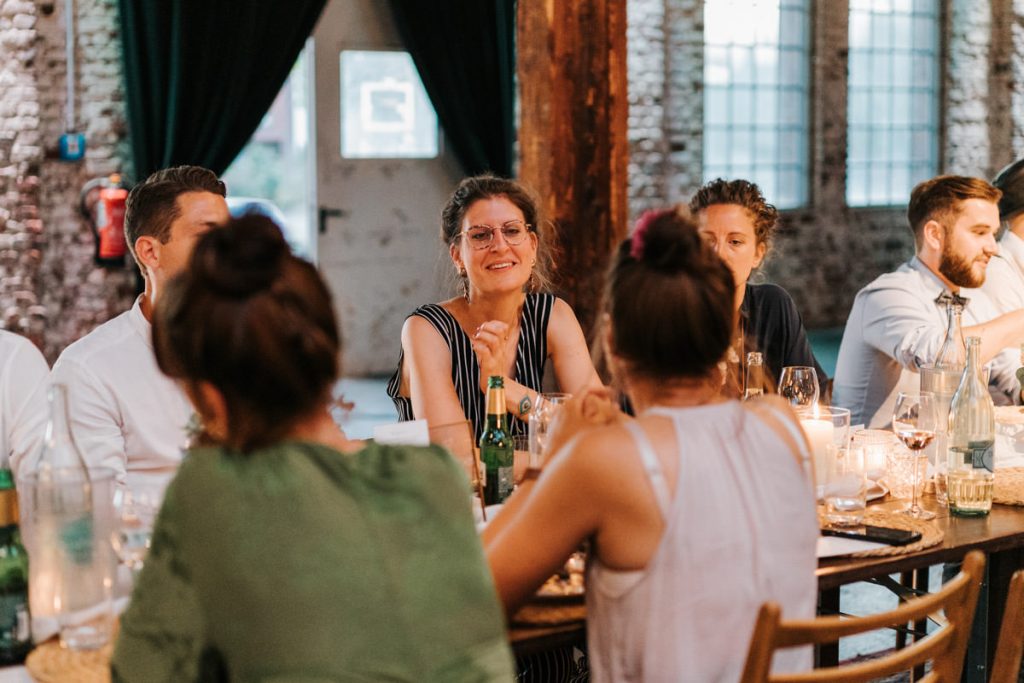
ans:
(900, 472)
(878, 445)
(824, 426)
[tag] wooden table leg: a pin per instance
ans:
(827, 654)
(991, 604)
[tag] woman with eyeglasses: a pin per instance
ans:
(502, 323)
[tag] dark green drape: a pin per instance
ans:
(464, 51)
(200, 74)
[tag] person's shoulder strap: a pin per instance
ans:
(784, 426)
(652, 466)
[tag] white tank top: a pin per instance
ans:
(740, 530)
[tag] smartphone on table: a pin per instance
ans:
(877, 534)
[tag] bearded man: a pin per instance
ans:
(898, 321)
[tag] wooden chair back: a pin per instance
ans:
(1006, 667)
(944, 648)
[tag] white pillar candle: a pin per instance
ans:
(820, 434)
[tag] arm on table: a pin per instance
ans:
(430, 373)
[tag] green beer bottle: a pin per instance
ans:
(496, 448)
(15, 633)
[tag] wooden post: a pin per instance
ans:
(572, 136)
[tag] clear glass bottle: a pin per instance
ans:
(753, 381)
(496, 446)
(70, 558)
(972, 433)
(953, 352)
(15, 633)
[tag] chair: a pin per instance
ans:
(1006, 666)
(945, 647)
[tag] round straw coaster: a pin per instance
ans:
(547, 614)
(1009, 486)
(51, 663)
(930, 533)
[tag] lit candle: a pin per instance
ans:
(820, 434)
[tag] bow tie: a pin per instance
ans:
(950, 298)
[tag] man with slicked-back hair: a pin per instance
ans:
(124, 413)
(898, 321)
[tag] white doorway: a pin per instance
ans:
(380, 182)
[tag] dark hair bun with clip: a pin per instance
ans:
(241, 259)
(669, 242)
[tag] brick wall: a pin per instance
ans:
(50, 289)
(826, 252)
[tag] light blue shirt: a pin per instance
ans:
(896, 326)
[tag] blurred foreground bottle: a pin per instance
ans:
(15, 635)
(497, 451)
(754, 380)
(71, 558)
(972, 433)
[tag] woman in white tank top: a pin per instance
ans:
(697, 511)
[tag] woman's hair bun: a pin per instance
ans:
(241, 258)
(668, 241)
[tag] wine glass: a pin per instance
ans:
(914, 419)
(131, 538)
(798, 384)
(541, 418)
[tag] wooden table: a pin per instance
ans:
(1000, 536)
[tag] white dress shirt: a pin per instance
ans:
(124, 413)
(23, 409)
(1004, 278)
(896, 326)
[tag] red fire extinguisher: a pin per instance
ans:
(102, 202)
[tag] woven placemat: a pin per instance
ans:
(931, 534)
(51, 663)
(1009, 486)
(548, 614)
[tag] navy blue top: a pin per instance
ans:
(531, 355)
(773, 326)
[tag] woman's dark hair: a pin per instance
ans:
(1011, 181)
(488, 186)
(742, 193)
(670, 300)
(255, 322)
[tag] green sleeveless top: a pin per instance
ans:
(299, 563)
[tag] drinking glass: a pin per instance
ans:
(540, 421)
(845, 485)
(824, 427)
(914, 419)
(798, 384)
(131, 538)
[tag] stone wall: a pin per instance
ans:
(50, 288)
(827, 251)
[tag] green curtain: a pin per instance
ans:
(464, 51)
(200, 74)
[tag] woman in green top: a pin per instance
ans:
(284, 551)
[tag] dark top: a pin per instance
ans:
(531, 355)
(299, 563)
(773, 326)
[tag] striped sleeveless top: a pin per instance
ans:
(531, 355)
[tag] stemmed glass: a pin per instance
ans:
(914, 421)
(134, 530)
(541, 417)
(798, 384)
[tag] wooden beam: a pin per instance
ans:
(572, 135)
